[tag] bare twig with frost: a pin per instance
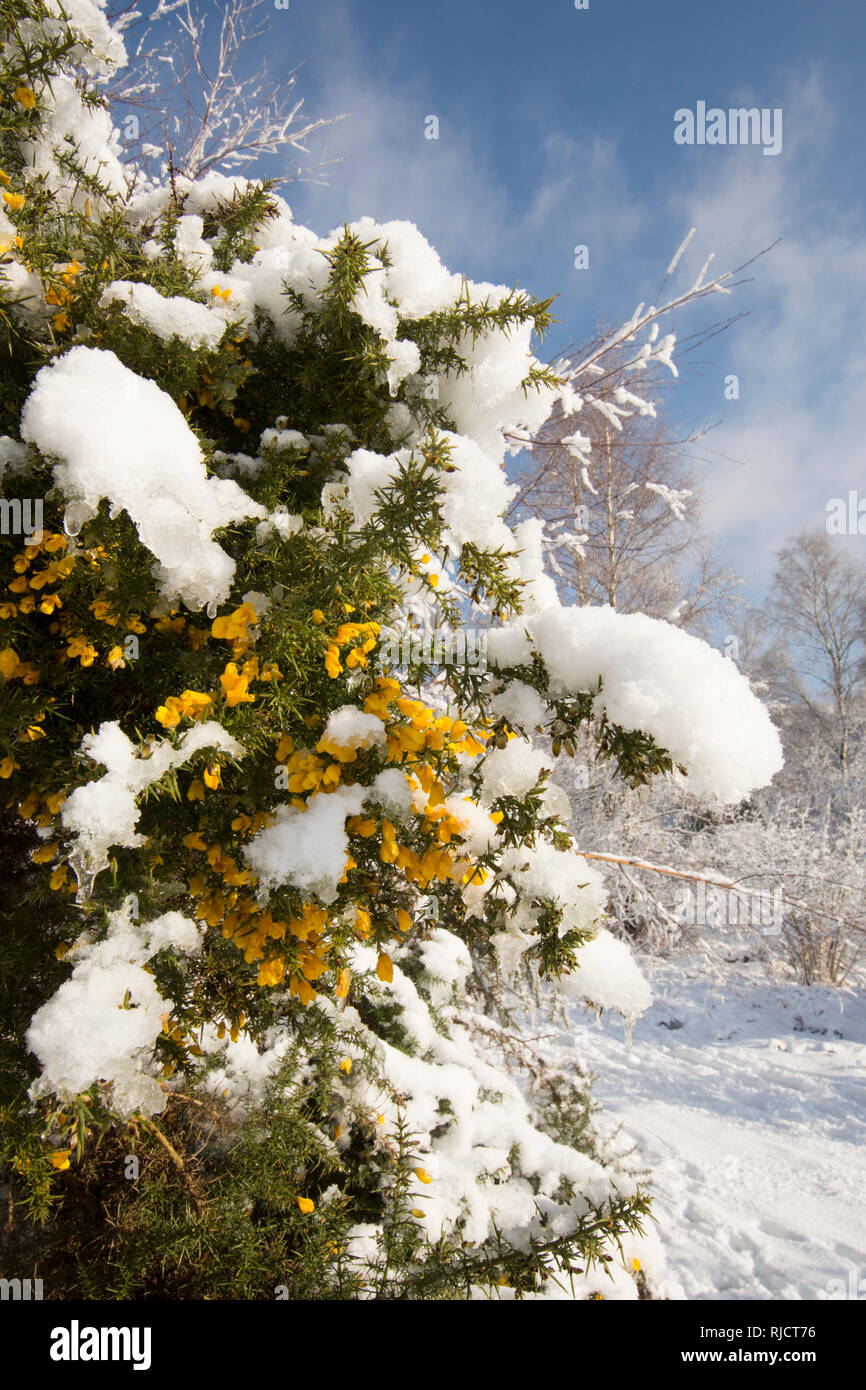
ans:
(191, 87)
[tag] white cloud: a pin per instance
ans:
(797, 427)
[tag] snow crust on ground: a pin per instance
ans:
(747, 1101)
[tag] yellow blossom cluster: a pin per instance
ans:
(14, 201)
(60, 292)
(195, 704)
(192, 704)
(250, 926)
(13, 668)
(28, 734)
(235, 627)
(28, 808)
(32, 576)
(425, 730)
(80, 649)
(235, 680)
(360, 638)
(309, 773)
(178, 625)
(55, 572)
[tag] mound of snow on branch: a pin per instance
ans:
(657, 679)
(102, 1023)
(104, 812)
(118, 436)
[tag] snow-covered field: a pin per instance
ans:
(746, 1100)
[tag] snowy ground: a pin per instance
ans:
(747, 1102)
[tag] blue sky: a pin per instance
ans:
(556, 129)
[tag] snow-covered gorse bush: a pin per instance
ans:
(255, 449)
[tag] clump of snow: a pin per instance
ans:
(539, 589)
(25, 288)
(509, 646)
(510, 947)
(66, 117)
(490, 1167)
(514, 769)
(195, 253)
(474, 492)
(13, 456)
(104, 812)
(446, 958)
(658, 679)
(520, 705)
(297, 261)
(242, 1071)
(283, 439)
(417, 280)
(369, 473)
(102, 1023)
(474, 824)
(391, 790)
(177, 317)
(350, 728)
(607, 976)
(541, 871)
(199, 196)
(405, 358)
(117, 435)
(487, 402)
(102, 48)
(555, 802)
(286, 524)
(307, 848)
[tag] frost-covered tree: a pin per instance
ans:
(620, 494)
(620, 499)
(197, 94)
(235, 454)
(818, 604)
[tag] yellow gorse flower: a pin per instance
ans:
(79, 647)
(235, 686)
(360, 637)
(234, 627)
(192, 704)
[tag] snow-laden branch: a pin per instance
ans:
(730, 884)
